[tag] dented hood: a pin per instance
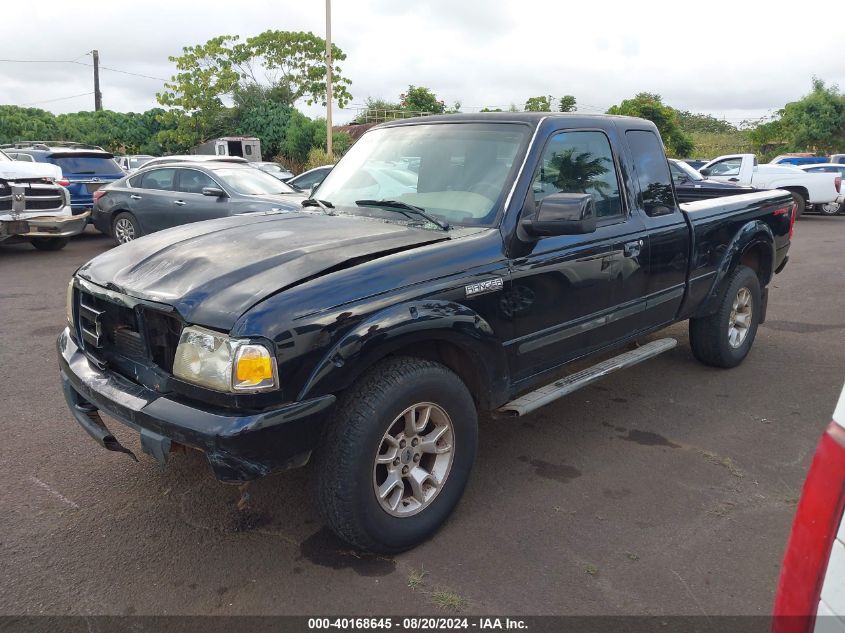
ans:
(212, 272)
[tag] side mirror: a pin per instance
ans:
(562, 214)
(214, 192)
(704, 171)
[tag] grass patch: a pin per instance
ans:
(415, 578)
(632, 556)
(449, 600)
(592, 570)
(725, 462)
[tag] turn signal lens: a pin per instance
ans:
(254, 368)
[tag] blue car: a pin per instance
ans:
(85, 168)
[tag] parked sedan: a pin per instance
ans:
(160, 197)
(274, 169)
(691, 185)
(310, 178)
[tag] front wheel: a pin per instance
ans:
(49, 243)
(395, 459)
(725, 338)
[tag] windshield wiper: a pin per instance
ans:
(325, 205)
(404, 208)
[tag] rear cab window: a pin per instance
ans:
(577, 161)
(655, 196)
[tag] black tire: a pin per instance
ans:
(120, 236)
(829, 210)
(800, 204)
(351, 441)
(49, 243)
(709, 336)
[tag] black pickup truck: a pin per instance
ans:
(447, 265)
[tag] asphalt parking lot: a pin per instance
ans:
(666, 489)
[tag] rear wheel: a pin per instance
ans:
(395, 459)
(49, 243)
(831, 208)
(125, 228)
(725, 338)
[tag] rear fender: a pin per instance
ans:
(753, 234)
(420, 325)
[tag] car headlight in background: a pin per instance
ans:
(69, 303)
(213, 360)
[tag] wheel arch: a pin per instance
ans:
(443, 331)
(753, 246)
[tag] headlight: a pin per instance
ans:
(69, 303)
(213, 360)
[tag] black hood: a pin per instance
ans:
(212, 272)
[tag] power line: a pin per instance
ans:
(84, 94)
(78, 63)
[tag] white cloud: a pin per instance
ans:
(736, 63)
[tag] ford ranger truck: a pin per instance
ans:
(447, 265)
(34, 208)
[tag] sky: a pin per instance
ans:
(740, 61)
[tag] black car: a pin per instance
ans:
(156, 198)
(691, 185)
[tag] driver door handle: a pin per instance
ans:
(632, 249)
(733, 179)
(181, 203)
(135, 196)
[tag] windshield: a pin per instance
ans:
(680, 168)
(135, 163)
(3, 157)
(454, 171)
(99, 165)
(252, 182)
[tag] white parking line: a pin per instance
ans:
(55, 493)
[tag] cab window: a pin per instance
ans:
(580, 162)
(727, 167)
(656, 196)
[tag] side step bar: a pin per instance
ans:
(544, 395)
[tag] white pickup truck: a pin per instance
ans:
(34, 208)
(806, 188)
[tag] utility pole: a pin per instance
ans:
(98, 96)
(329, 76)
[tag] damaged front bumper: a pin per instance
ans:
(239, 446)
(48, 225)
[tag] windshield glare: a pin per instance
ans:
(252, 182)
(455, 171)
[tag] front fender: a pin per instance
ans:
(413, 323)
(752, 234)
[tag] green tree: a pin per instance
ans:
(694, 122)
(816, 121)
(421, 99)
(538, 104)
(278, 66)
(378, 111)
(650, 106)
(568, 104)
(268, 120)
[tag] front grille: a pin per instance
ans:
(144, 334)
(37, 196)
(163, 331)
